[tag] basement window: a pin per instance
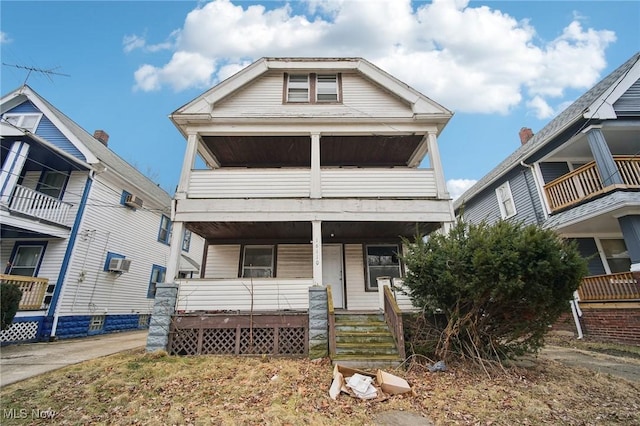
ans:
(96, 323)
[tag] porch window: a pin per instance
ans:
(298, 88)
(505, 201)
(327, 88)
(157, 276)
(24, 121)
(617, 255)
(52, 183)
(26, 260)
(165, 229)
(257, 262)
(186, 240)
(382, 261)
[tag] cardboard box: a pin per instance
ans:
(391, 384)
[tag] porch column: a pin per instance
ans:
(316, 230)
(12, 168)
(163, 309)
(316, 187)
(630, 226)
(175, 249)
(187, 165)
(602, 155)
(436, 165)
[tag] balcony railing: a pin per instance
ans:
(620, 286)
(33, 290)
(585, 182)
(39, 205)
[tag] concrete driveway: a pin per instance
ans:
(19, 362)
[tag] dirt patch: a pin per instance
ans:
(625, 367)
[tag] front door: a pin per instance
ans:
(332, 272)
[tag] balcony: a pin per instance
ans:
(585, 182)
(33, 290)
(36, 204)
(612, 287)
(296, 183)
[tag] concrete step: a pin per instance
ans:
(364, 337)
(355, 348)
(371, 362)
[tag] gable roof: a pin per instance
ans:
(591, 105)
(420, 104)
(95, 152)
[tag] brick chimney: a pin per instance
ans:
(525, 134)
(102, 136)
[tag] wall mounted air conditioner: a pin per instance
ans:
(119, 265)
(133, 201)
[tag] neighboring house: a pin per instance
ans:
(312, 179)
(84, 234)
(580, 175)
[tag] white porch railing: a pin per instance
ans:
(269, 294)
(295, 183)
(36, 204)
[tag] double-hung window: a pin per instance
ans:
(165, 230)
(257, 262)
(382, 261)
(505, 201)
(298, 88)
(26, 259)
(157, 276)
(24, 121)
(617, 255)
(327, 88)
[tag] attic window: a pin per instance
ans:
(24, 121)
(327, 88)
(298, 88)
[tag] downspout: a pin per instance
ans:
(577, 313)
(57, 293)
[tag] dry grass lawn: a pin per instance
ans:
(150, 389)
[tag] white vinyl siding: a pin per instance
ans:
(357, 297)
(109, 227)
(249, 183)
(222, 261)
(391, 183)
(359, 98)
(295, 261)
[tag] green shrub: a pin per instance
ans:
(10, 295)
(498, 286)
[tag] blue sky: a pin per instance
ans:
(499, 66)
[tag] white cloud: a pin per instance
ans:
(468, 58)
(540, 107)
(457, 187)
(4, 38)
(132, 42)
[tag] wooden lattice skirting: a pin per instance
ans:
(238, 334)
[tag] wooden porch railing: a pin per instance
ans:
(332, 322)
(586, 182)
(33, 290)
(393, 317)
(620, 286)
(36, 204)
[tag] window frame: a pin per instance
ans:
(501, 202)
(162, 229)
(318, 89)
(21, 118)
(608, 255)
(298, 86)
(14, 253)
(60, 190)
(158, 275)
(312, 88)
(186, 240)
(368, 287)
(271, 268)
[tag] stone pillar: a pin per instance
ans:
(163, 309)
(318, 323)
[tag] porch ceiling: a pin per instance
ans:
(336, 232)
(295, 151)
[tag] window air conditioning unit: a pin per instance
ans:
(119, 265)
(133, 201)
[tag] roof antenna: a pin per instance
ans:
(48, 72)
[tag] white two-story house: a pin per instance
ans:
(314, 170)
(580, 175)
(84, 234)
